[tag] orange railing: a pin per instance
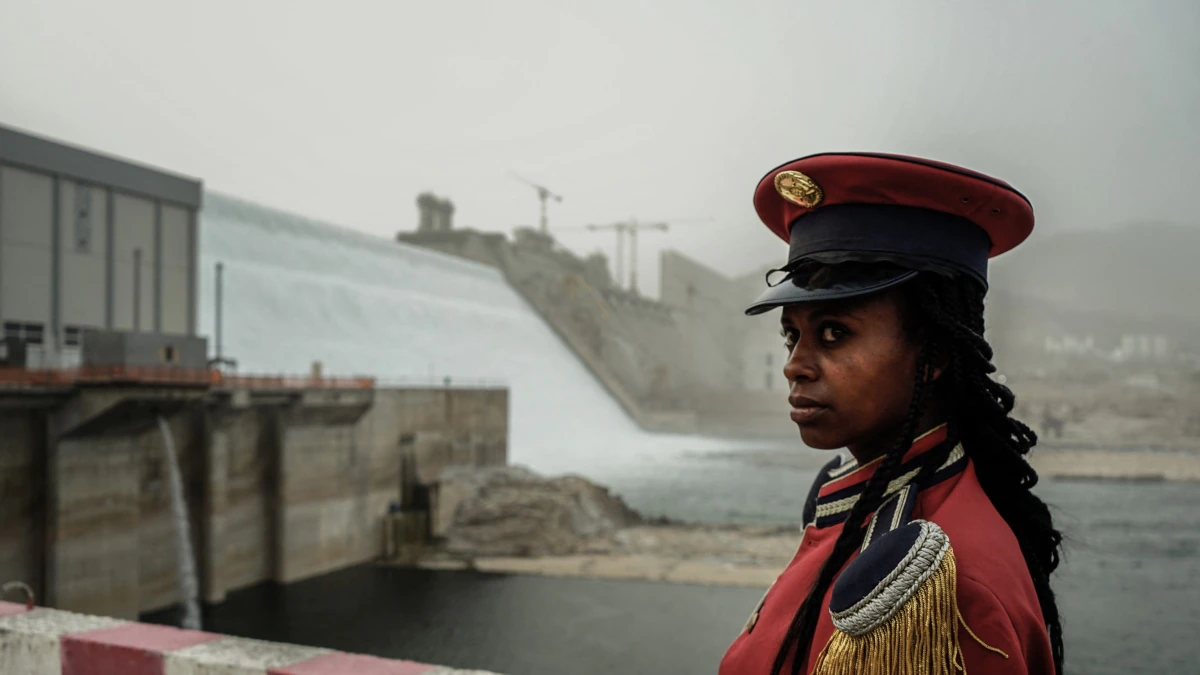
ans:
(68, 377)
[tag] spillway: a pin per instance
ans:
(297, 290)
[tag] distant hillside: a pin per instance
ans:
(1146, 271)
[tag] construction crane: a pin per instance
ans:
(543, 194)
(619, 261)
(632, 227)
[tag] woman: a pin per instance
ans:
(926, 551)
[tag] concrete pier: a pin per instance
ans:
(281, 485)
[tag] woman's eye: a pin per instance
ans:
(831, 333)
(789, 339)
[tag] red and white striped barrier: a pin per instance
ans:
(43, 641)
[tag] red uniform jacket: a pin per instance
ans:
(995, 592)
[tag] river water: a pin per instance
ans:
(1129, 591)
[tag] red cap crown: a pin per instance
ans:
(797, 188)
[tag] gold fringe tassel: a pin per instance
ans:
(921, 639)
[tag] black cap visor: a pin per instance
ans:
(811, 283)
(846, 250)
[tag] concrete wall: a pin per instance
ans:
(711, 311)
(686, 282)
(239, 501)
(478, 246)
(280, 486)
(93, 522)
(22, 497)
(661, 361)
(339, 471)
(568, 294)
(326, 516)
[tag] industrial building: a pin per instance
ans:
(90, 242)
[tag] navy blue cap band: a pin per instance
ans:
(913, 237)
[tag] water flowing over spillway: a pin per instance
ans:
(297, 291)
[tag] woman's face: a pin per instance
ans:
(851, 367)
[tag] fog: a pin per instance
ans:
(665, 110)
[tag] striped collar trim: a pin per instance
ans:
(834, 506)
(850, 472)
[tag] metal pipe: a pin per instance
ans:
(219, 308)
(137, 289)
(110, 260)
(542, 195)
(55, 334)
(620, 257)
(633, 244)
(156, 279)
(19, 586)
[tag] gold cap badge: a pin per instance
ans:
(798, 189)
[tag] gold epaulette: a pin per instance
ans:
(895, 608)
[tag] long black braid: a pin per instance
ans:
(947, 316)
(979, 407)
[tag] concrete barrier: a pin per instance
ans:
(43, 641)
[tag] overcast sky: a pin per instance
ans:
(654, 109)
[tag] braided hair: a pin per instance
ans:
(946, 315)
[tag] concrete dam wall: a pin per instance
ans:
(279, 485)
(299, 290)
(672, 368)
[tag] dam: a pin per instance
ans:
(287, 472)
(298, 290)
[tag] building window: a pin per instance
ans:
(169, 354)
(83, 218)
(33, 333)
(71, 336)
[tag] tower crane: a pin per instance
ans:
(632, 227)
(543, 194)
(619, 261)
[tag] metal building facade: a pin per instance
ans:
(90, 241)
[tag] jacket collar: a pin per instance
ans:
(844, 484)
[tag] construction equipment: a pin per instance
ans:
(633, 231)
(543, 194)
(632, 227)
(619, 261)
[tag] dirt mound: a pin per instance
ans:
(511, 511)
